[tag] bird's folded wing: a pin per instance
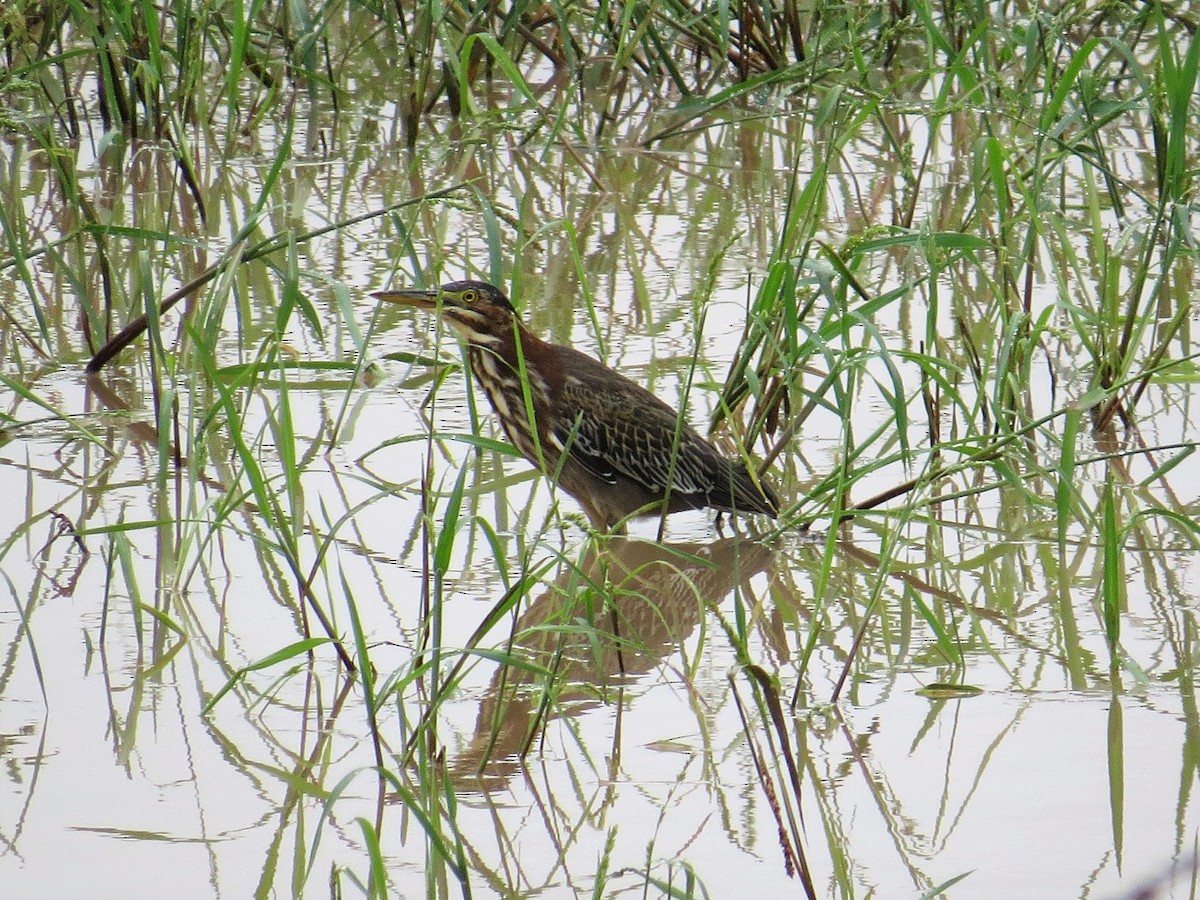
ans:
(609, 440)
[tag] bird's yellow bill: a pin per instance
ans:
(408, 297)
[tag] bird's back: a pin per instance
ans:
(615, 427)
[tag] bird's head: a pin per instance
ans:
(476, 310)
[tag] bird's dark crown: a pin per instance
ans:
(476, 294)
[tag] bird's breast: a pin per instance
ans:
(501, 382)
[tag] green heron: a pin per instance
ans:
(609, 443)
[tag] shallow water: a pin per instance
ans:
(140, 586)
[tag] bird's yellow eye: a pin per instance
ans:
(470, 296)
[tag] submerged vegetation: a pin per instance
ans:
(933, 263)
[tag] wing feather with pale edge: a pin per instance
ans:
(601, 424)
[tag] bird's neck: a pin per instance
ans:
(510, 348)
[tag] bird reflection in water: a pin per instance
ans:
(600, 625)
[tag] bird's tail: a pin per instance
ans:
(748, 494)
